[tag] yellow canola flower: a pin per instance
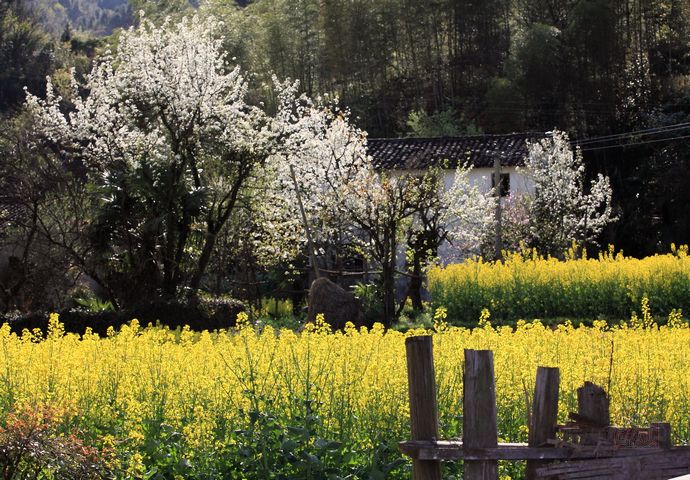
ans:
(526, 285)
(353, 383)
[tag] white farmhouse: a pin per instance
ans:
(478, 151)
(484, 153)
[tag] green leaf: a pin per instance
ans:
(302, 432)
(376, 474)
(323, 444)
(288, 445)
(313, 459)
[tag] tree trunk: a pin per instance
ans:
(415, 289)
(169, 267)
(388, 277)
(204, 260)
(213, 228)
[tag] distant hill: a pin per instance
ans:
(97, 17)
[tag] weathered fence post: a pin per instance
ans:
(544, 415)
(593, 404)
(479, 412)
(423, 408)
(663, 434)
(593, 408)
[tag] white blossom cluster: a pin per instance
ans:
(560, 211)
(324, 151)
(167, 113)
(470, 215)
(341, 190)
(164, 92)
(314, 152)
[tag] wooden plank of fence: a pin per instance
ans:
(423, 408)
(479, 412)
(650, 466)
(544, 415)
(449, 450)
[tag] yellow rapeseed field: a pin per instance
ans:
(348, 387)
(526, 285)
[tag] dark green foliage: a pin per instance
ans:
(26, 55)
(369, 294)
(440, 124)
(539, 58)
(562, 63)
(501, 112)
(651, 184)
(211, 314)
(267, 448)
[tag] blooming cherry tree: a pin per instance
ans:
(317, 151)
(322, 163)
(560, 212)
(381, 206)
(168, 137)
(468, 215)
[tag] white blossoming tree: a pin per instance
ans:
(469, 214)
(381, 206)
(318, 151)
(560, 212)
(322, 166)
(459, 219)
(329, 190)
(170, 143)
(175, 154)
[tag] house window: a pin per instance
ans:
(504, 187)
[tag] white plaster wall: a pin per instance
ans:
(519, 182)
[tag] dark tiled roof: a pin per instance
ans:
(478, 150)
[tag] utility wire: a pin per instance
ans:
(620, 145)
(635, 133)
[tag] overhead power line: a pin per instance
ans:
(631, 134)
(619, 145)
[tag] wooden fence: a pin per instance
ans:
(587, 447)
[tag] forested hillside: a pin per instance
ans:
(587, 66)
(97, 17)
(590, 67)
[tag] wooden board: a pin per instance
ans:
(448, 450)
(650, 466)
